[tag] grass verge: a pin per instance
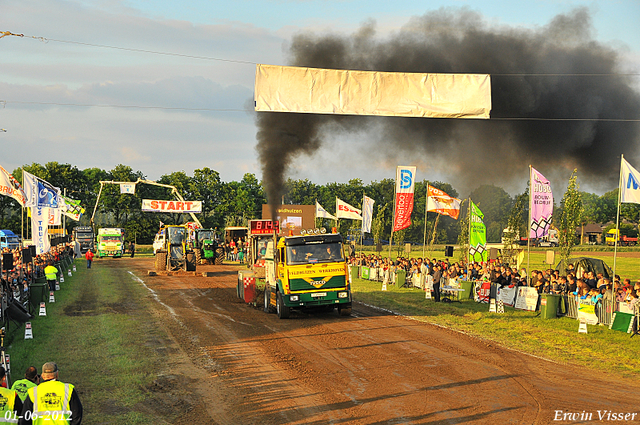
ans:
(555, 339)
(96, 331)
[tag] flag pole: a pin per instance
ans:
(426, 209)
(393, 215)
(615, 245)
(469, 236)
(528, 280)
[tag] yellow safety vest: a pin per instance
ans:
(51, 272)
(21, 387)
(51, 403)
(7, 401)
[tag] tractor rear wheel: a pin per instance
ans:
(219, 256)
(198, 253)
(161, 261)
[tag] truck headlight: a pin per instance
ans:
(343, 295)
(294, 298)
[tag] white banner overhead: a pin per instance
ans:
(344, 210)
(128, 188)
(349, 92)
(152, 205)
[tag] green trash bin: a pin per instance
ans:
(354, 273)
(401, 278)
(38, 292)
(466, 286)
(549, 305)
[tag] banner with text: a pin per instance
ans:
(9, 186)
(477, 235)
(344, 210)
(541, 205)
(152, 205)
(440, 202)
(405, 184)
(40, 226)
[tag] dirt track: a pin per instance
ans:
(231, 363)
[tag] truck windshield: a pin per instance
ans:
(205, 235)
(176, 235)
(111, 238)
(315, 253)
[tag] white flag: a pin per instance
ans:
(322, 213)
(344, 210)
(629, 183)
(367, 213)
(40, 227)
(30, 185)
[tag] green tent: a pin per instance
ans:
(594, 265)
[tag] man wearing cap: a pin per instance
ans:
(52, 402)
(30, 380)
(10, 403)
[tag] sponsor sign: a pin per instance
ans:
(541, 205)
(344, 210)
(291, 217)
(527, 298)
(152, 205)
(405, 183)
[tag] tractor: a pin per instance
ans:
(175, 254)
(206, 247)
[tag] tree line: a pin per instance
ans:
(233, 203)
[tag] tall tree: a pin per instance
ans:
(572, 210)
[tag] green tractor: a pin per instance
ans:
(175, 254)
(206, 247)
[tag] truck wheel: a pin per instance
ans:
(267, 300)
(190, 263)
(344, 311)
(281, 309)
(198, 253)
(161, 261)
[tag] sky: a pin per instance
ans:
(166, 86)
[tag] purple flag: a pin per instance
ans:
(541, 205)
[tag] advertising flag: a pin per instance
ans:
(440, 202)
(367, 213)
(541, 204)
(322, 213)
(71, 208)
(54, 216)
(40, 193)
(9, 186)
(344, 210)
(477, 235)
(40, 226)
(128, 188)
(405, 184)
(630, 183)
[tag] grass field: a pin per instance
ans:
(97, 331)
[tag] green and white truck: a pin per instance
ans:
(110, 242)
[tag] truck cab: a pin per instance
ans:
(8, 239)
(307, 271)
(110, 242)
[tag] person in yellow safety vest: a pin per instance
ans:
(51, 274)
(51, 402)
(21, 386)
(10, 403)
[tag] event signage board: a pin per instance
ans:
(527, 298)
(152, 205)
(291, 218)
(587, 313)
(507, 295)
(405, 183)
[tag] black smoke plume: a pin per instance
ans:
(522, 129)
